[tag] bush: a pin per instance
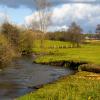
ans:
(6, 52)
(11, 32)
(26, 42)
(90, 68)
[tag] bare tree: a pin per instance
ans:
(34, 25)
(44, 17)
(44, 14)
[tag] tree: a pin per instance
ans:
(43, 13)
(26, 42)
(34, 25)
(44, 16)
(11, 32)
(6, 52)
(75, 34)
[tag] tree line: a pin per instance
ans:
(74, 34)
(15, 40)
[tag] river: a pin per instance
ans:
(17, 79)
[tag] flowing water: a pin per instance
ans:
(19, 78)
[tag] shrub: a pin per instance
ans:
(90, 68)
(26, 42)
(11, 32)
(6, 52)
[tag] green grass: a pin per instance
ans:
(51, 44)
(74, 87)
(87, 53)
(81, 86)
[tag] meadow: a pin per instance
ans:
(56, 51)
(81, 86)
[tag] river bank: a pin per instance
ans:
(23, 76)
(74, 65)
(85, 58)
(81, 86)
(74, 86)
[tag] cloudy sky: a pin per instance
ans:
(84, 12)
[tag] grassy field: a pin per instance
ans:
(82, 86)
(51, 44)
(89, 52)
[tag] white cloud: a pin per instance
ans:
(30, 18)
(64, 28)
(75, 11)
(4, 17)
(87, 15)
(58, 28)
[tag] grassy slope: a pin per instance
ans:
(75, 87)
